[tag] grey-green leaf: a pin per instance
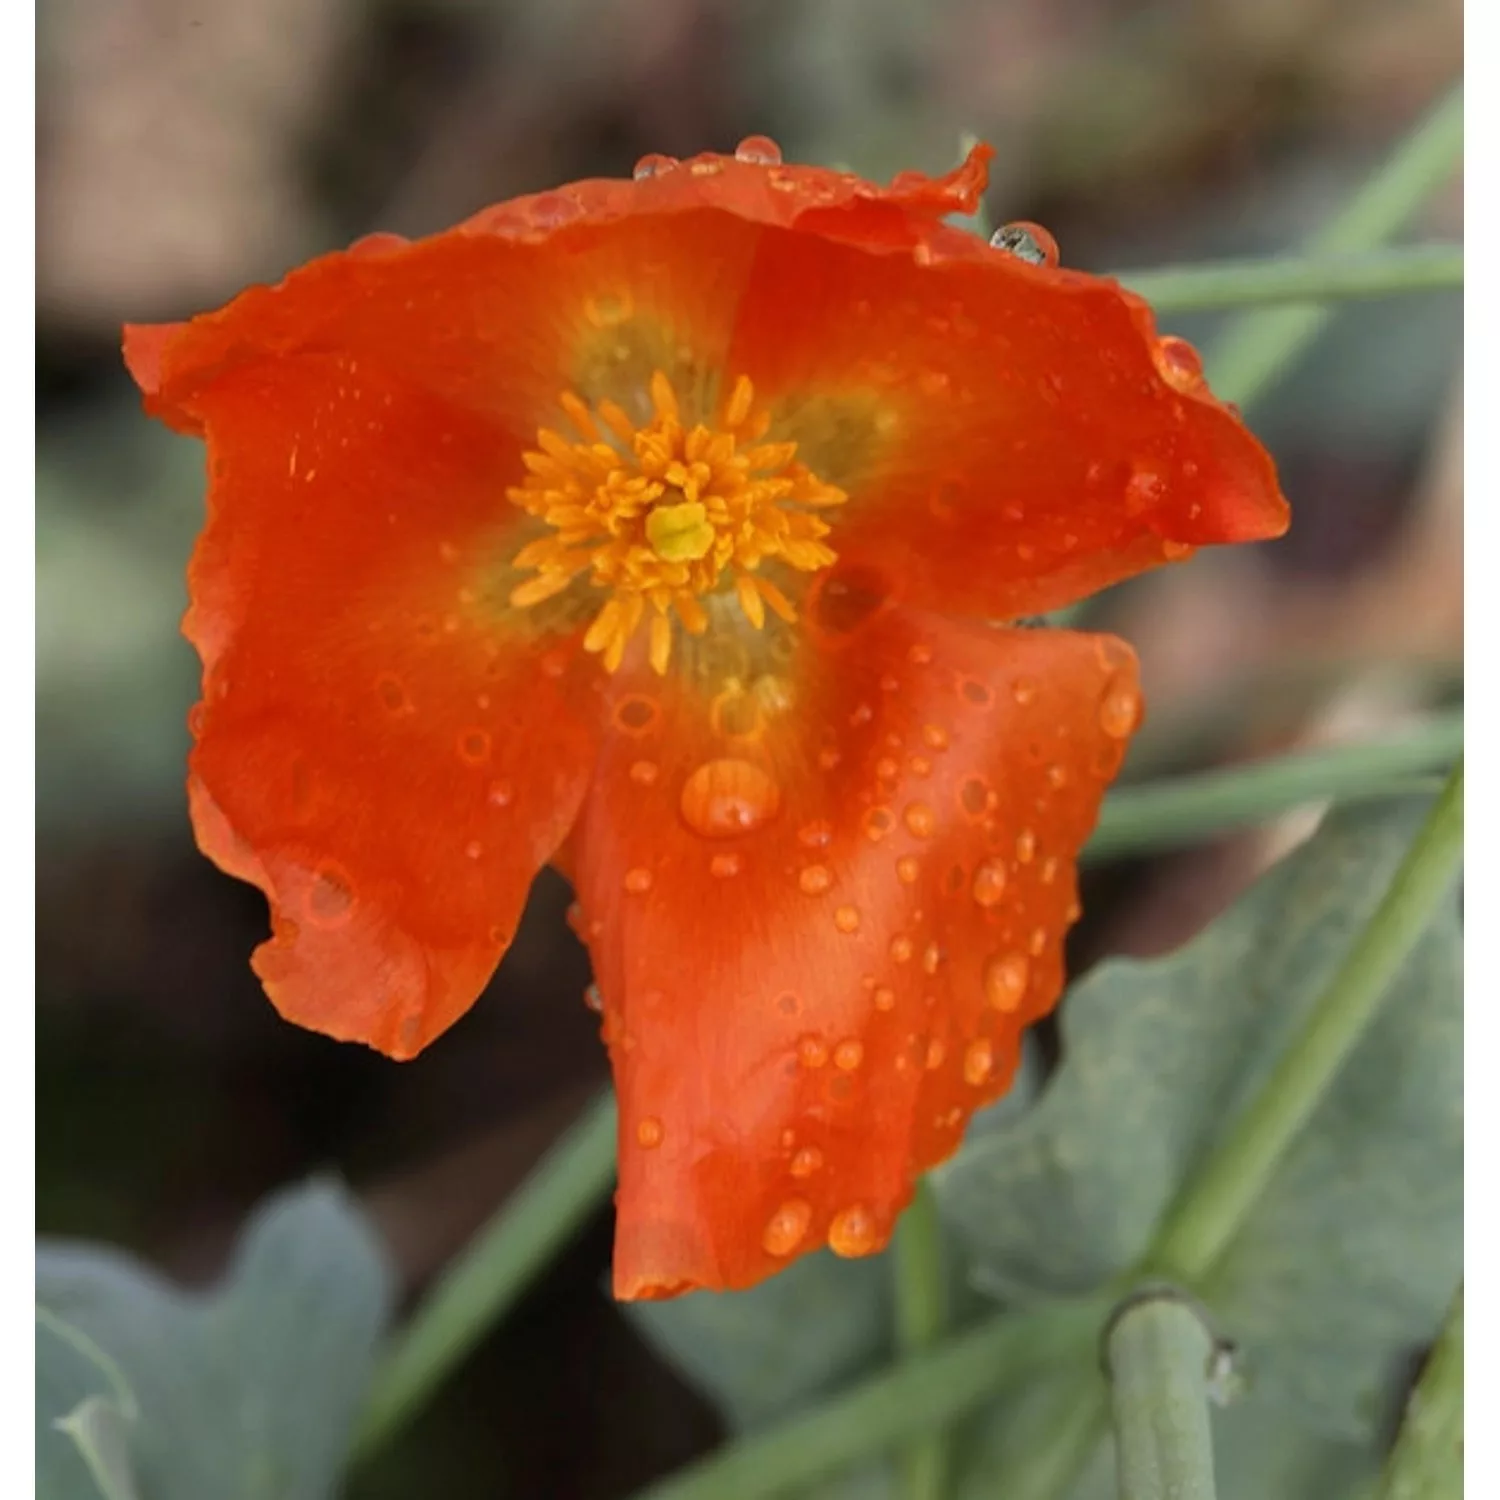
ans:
(1346, 1264)
(83, 1409)
(762, 1354)
(248, 1392)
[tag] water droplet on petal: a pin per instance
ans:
(1028, 242)
(644, 772)
(815, 835)
(609, 310)
(814, 880)
(1179, 363)
(919, 820)
(853, 1231)
(593, 998)
(1037, 943)
(979, 1059)
(1143, 490)
(989, 883)
(1023, 690)
(649, 1133)
(723, 798)
(725, 865)
(636, 714)
(877, 823)
(806, 1162)
(787, 1226)
(884, 997)
(759, 149)
(501, 794)
(936, 1052)
(908, 868)
(935, 736)
(846, 919)
(932, 957)
(1120, 710)
(976, 797)
(638, 881)
(901, 948)
(1005, 979)
(473, 849)
(329, 899)
(848, 1055)
(812, 1051)
(393, 694)
(651, 164)
(1025, 846)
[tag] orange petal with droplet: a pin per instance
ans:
(815, 1028)
(378, 749)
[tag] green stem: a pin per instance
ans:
(486, 1280)
(1159, 1353)
(1259, 346)
(1427, 1462)
(1259, 283)
(1214, 1205)
(1207, 1215)
(1184, 809)
(1066, 1436)
(921, 1394)
(921, 1320)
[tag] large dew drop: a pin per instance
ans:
(853, 1231)
(723, 798)
(787, 1226)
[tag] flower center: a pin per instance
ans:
(658, 515)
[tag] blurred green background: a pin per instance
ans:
(185, 149)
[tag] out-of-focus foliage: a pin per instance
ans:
(248, 1391)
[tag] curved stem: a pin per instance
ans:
(1182, 809)
(919, 1395)
(1428, 1459)
(1259, 346)
(921, 1320)
(1315, 279)
(1159, 1353)
(1214, 1205)
(490, 1275)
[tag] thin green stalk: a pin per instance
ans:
(1214, 1205)
(1211, 1210)
(1158, 1352)
(921, 1321)
(1427, 1462)
(1320, 279)
(1066, 1437)
(486, 1280)
(1183, 809)
(1259, 346)
(917, 1396)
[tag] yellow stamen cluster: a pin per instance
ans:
(659, 515)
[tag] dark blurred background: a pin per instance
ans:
(187, 147)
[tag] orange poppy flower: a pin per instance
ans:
(657, 529)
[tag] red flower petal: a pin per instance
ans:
(1012, 437)
(377, 748)
(818, 946)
